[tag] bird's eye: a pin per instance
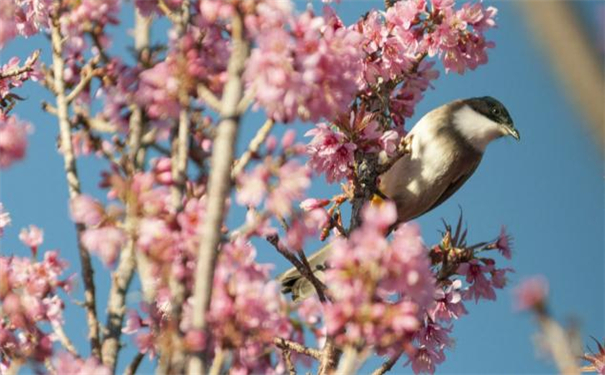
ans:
(495, 111)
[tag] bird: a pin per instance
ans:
(445, 148)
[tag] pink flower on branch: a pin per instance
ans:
(32, 237)
(531, 293)
(13, 140)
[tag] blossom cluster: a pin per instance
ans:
(29, 299)
(23, 17)
(307, 70)
(395, 46)
(396, 293)
(247, 313)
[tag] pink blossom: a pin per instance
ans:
(86, 210)
(480, 287)
(162, 169)
(294, 179)
(504, 243)
(313, 203)
(248, 313)
(12, 80)
(159, 89)
(32, 237)
(67, 364)
(5, 219)
(330, 153)
(403, 13)
(426, 359)
(531, 293)
(156, 238)
(379, 288)
(13, 140)
(253, 186)
(288, 139)
(304, 226)
(309, 72)
(448, 303)
(389, 142)
(133, 322)
(380, 216)
(106, 242)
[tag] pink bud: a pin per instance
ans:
(288, 138)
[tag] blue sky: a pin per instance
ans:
(547, 189)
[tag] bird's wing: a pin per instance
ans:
(456, 183)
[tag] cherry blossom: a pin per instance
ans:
(13, 140)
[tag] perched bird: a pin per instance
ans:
(446, 147)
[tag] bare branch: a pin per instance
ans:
(559, 345)
(28, 67)
(349, 362)
(219, 185)
(122, 277)
(303, 267)
(64, 340)
(388, 365)
(296, 347)
(88, 73)
(208, 97)
(134, 364)
(73, 181)
(217, 363)
(255, 144)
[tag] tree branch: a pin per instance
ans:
(64, 340)
(219, 185)
(296, 347)
(255, 144)
(28, 67)
(134, 364)
(302, 266)
(122, 277)
(388, 365)
(73, 182)
(88, 73)
(208, 97)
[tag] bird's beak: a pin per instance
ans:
(513, 132)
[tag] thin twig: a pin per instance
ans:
(299, 348)
(64, 340)
(175, 360)
(219, 185)
(349, 362)
(122, 277)
(287, 357)
(217, 363)
(255, 144)
(208, 97)
(388, 364)
(167, 12)
(302, 267)
(134, 364)
(28, 67)
(88, 73)
(559, 345)
(116, 305)
(73, 181)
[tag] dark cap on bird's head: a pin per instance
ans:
(495, 111)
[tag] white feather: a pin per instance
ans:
(478, 130)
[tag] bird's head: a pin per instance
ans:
(483, 119)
